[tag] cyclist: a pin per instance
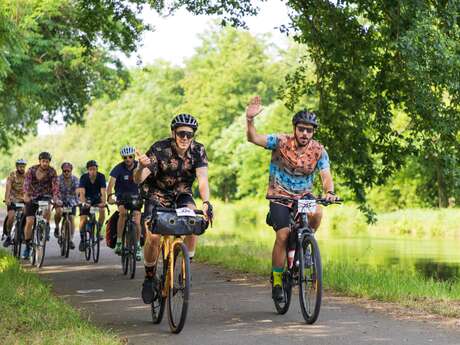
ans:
(40, 181)
(92, 187)
(169, 169)
(14, 193)
(68, 185)
(295, 160)
(121, 177)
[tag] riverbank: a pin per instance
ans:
(30, 314)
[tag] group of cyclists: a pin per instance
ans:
(166, 174)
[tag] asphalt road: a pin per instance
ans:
(224, 309)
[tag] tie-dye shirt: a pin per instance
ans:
(293, 167)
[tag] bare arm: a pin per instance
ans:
(254, 108)
(203, 183)
(103, 196)
(328, 184)
(8, 191)
(140, 174)
(81, 192)
(111, 184)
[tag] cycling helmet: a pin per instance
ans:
(305, 116)
(91, 163)
(21, 161)
(66, 164)
(44, 155)
(127, 150)
(184, 120)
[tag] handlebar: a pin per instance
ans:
(320, 201)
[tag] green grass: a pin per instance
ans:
(30, 314)
(241, 241)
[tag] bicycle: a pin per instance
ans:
(174, 277)
(305, 270)
(17, 232)
(128, 240)
(40, 231)
(92, 234)
(65, 233)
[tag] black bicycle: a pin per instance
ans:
(128, 240)
(65, 233)
(17, 232)
(92, 234)
(40, 232)
(305, 270)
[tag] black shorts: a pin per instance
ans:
(279, 216)
(30, 209)
(84, 211)
(10, 207)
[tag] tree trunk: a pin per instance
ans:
(441, 182)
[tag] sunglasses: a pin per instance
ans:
(66, 171)
(126, 157)
(302, 129)
(185, 134)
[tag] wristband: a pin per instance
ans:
(330, 192)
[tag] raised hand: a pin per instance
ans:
(254, 107)
(144, 161)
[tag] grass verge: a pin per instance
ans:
(30, 314)
(245, 245)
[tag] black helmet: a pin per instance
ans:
(91, 163)
(305, 116)
(44, 155)
(184, 120)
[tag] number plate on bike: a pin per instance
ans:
(307, 206)
(43, 204)
(94, 210)
(19, 205)
(186, 212)
(67, 209)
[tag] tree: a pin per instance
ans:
(374, 59)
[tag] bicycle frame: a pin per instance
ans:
(168, 244)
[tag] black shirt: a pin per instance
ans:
(93, 190)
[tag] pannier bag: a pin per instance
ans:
(111, 230)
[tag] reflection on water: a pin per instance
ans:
(438, 270)
(435, 259)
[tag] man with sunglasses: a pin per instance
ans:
(295, 160)
(68, 185)
(121, 177)
(168, 170)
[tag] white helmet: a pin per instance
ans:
(127, 150)
(21, 161)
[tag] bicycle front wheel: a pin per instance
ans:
(17, 240)
(179, 293)
(310, 279)
(132, 248)
(66, 238)
(124, 252)
(88, 241)
(41, 244)
(96, 243)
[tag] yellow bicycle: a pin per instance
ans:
(173, 262)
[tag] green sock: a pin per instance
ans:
(277, 276)
(119, 241)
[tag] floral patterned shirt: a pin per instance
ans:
(68, 190)
(48, 185)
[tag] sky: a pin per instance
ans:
(175, 38)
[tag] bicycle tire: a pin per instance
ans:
(310, 280)
(96, 244)
(41, 241)
(131, 250)
(66, 240)
(124, 256)
(159, 303)
(17, 240)
(181, 289)
(282, 308)
(88, 231)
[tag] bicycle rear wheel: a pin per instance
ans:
(88, 232)
(159, 302)
(96, 244)
(40, 248)
(124, 251)
(179, 293)
(310, 279)
(282, 308)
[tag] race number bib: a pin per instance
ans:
(185, 212)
